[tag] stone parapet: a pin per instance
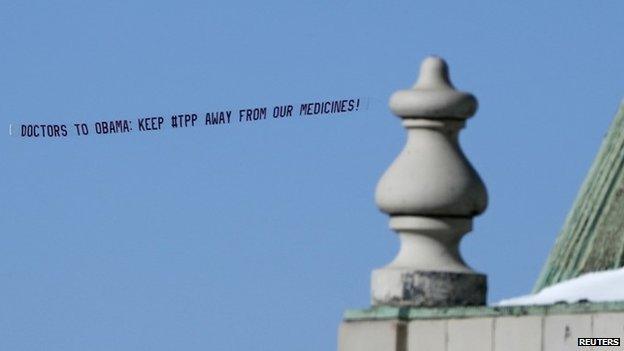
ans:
(524, 328)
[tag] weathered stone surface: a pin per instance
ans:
(608, 325)
(372, 336)
(523, 328)
(562, 332)
(426, 336)
(518, 333)
(423, 313)
(405, 287)
(470, 334)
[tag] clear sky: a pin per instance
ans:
(257, 236)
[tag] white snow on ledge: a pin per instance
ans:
(595, 287)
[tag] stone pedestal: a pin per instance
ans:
(409, 287)
(428, 270)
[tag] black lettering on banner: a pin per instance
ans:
(317, 108)
(150, 123)
(28, 130)
(329, 107)
(282, 111)
(303, 110)
(112, 127)
(219, 117)
(43, 130)
(185, 120)
(252, 114)
(81, 129)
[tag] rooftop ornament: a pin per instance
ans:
(431, 193)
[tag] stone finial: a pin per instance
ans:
(433, 96)
(431, 193)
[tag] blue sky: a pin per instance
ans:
(257, 236)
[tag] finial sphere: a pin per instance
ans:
(433, 95)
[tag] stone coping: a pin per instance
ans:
(414, 313)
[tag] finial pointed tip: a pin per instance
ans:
(433, 74)
(434, 59)
(433, 95)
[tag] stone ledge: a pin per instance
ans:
(412, 313)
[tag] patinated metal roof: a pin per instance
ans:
(592, 238)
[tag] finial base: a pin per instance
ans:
(428, 270)
(394, 286)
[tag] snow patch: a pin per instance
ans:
(595, 286)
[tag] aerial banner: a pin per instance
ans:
(188, 119)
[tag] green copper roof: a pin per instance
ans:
(592, 238)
